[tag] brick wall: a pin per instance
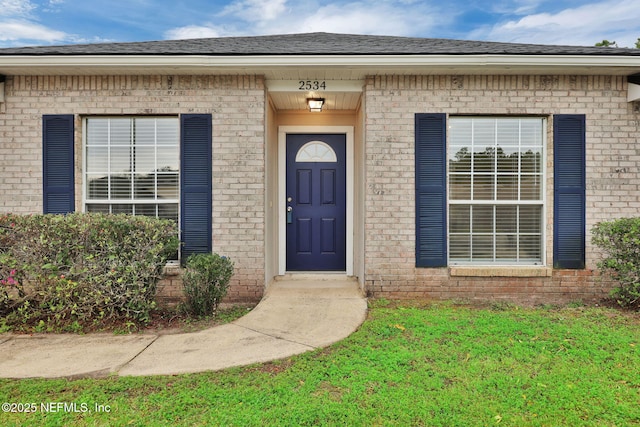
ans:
(170, 289)
(613, 177)
(237, 105)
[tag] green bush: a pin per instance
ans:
(620, 241)
(205, 280)
(81, 268)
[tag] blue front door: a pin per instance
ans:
(316, 202)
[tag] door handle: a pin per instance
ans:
(289, 214)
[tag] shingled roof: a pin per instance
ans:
(316, 44)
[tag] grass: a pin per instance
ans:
(408, 365)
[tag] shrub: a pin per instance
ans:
(205, 280)
(81, 268)
(620, 240)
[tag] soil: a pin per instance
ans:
(163, 322)
(172, 322)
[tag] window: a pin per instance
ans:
(316, 151)
(132, 166)
(138, 165)
(496, 190)
(482, 208)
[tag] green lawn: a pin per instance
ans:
(409, 365)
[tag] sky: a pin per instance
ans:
(566, 22)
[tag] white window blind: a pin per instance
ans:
(496, 187)
(132, 166)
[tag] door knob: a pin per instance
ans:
(289, 214)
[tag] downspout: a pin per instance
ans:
(3, 78)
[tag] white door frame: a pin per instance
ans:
(283, 131)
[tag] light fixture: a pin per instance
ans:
(315, 104)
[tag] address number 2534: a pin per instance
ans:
(312, 85)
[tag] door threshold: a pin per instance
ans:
(316, 272)
(313, 275)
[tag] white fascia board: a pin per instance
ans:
(91, 63)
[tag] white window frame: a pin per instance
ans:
(496, 202)
(132, 201)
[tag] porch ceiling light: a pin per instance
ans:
(315, 104)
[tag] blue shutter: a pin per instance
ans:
(431, 196)
(569, 191)
(195, 184)
(58, 164)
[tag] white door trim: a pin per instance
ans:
(283, 131)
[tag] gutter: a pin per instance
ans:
(90, 64)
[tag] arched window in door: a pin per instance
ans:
(316, 151)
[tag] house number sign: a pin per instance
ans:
(315, 85)
(312, 85)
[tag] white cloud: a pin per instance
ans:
(26, 30)
(253, 17)
(19, 24)
(15, 8)
(584, 25)
(52, 6)
(366, 18)
(256, 10)
(193, 32)
(235, 19)
(515, 7)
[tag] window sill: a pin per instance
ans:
(472, 271)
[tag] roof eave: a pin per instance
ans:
(369, 64)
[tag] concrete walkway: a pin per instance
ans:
(295, 316)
